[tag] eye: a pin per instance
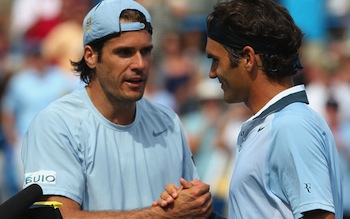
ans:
(146, 51)
(213, 59)
(125, 52)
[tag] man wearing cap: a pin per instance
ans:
(105, 151)
(286, 164)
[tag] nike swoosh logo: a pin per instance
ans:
(155, 134)
(261, 128)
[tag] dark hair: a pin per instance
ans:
(81, 68)
(265, 19)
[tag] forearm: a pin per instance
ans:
(71, 210)
(153, 212)
(194, 202)
(318, 214)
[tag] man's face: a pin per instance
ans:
(123, 70)
(234, 80)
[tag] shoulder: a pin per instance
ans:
(301, 128)
(298, 117)
(67, 108)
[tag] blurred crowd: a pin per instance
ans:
(38, 38)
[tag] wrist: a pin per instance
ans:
(159, 212)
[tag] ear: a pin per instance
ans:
(250, 58)
(90, 57)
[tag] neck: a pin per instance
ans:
(265, 90)
(117, 112)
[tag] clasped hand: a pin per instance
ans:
(190, 200)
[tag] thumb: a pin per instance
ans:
(185, 184)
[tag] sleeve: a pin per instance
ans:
(298, 164)
(51, 157)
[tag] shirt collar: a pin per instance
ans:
(281, 100)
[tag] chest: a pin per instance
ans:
(131, 166)
(253, 143)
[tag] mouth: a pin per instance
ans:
(222, 85)
(135, 82)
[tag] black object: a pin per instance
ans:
(42, 211)
(17, 205)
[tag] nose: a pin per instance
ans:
(139, 61)
(212, 74)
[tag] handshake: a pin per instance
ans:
(190, 200)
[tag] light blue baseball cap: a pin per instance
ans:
(103, 19)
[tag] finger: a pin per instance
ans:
(209, 206)
(196, 182)
(175, 194)
(162, 203)
(164, 196)
(165, 199)
(185, 184)
(205, 205)
(203, 187)
(172, 190)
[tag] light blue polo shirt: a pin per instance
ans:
(73, 151)
(287, 162)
